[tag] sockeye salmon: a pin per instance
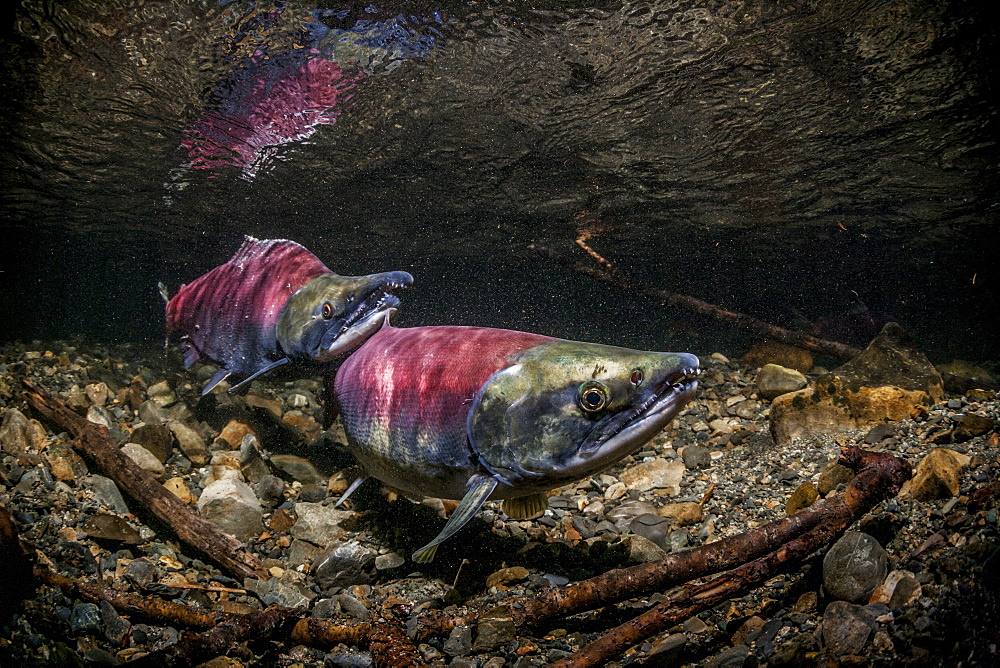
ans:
(474, 413)
(275, 303)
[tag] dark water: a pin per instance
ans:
(781, 159)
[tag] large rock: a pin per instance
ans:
(230, 504)
(936, 476)
(887, 382)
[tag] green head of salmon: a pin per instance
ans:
(475, 413)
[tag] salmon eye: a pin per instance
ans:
(327, 310)
(636, 377)
(593, 396)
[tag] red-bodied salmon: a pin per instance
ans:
(275, 303)
(474, 413)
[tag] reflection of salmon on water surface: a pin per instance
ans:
(275, 97)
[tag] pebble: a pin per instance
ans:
(773, 380)
(847, 628)
(232, 506)
(319, 524)
(695, 457)
(343, 564)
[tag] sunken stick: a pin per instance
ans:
(92, 441)
(742, 321)
(881, 476)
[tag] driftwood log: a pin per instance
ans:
(607, 273)
(93, 442)
(880, 476)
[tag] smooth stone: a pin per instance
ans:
(232, 506)
(854, 567)
(773, 380)
(655, 474)
(804, 496)
(696, 457)
(270, 489)
(145, 459)
(111, 527)
(352, 607)
(299, 468)
(734, 657)
(846, 628)
(506, 576)
(832, 476)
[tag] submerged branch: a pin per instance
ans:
(92, 440)
(880, 477)
(611, 276)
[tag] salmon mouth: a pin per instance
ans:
(642, 421)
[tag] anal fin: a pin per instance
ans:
(525, 507)
(480, 488)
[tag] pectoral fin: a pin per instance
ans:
(216, 378)
(258, 373)
(350, 489)
(480, 488)
(525, 507)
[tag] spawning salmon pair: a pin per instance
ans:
(469, 413)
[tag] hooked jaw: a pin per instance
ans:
(333, 315)
(369, 316)
(633, 428)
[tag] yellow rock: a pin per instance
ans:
(936, 476)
